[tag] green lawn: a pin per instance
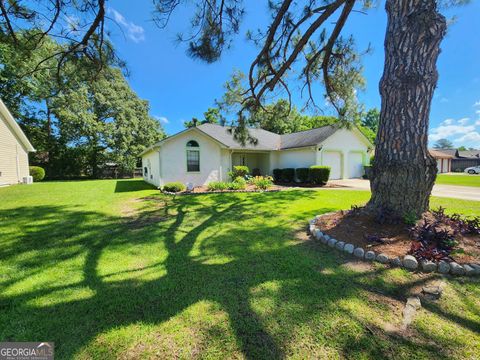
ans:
(113, 269)
(461, 180)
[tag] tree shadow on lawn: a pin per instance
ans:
(311, 281)
(132, 185)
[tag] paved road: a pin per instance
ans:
(450, 191)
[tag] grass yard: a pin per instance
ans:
(460, 180)
(113, 269)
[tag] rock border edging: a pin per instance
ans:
(408, 262)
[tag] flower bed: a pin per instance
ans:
(199, 190)
(390, 244)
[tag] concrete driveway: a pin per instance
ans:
(449, 191)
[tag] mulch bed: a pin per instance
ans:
(395, 239)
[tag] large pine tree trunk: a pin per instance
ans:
(404, 171)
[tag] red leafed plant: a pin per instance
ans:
(435, 238)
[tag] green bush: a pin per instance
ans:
(262, 182)
(37, 173)
(218, 186)
(302, 174)
(237, 184)
(277, 174)
(319, 174)
(239, 171)
(174, 187)
(288, 175)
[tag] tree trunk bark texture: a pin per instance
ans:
(403, 170)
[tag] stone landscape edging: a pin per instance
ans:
(408, 262)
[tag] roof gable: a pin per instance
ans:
(15, 128)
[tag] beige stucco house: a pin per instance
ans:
(208, 152)
(444, 161)
(14, 149)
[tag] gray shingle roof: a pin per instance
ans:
(308, 137)
(267, 140)
(469, 153)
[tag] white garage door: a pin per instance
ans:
(355, 165)
(445, 165)
(334, 160)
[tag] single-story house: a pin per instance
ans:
(462, 159)
(206, 153)
(444, 161)
(14, 149)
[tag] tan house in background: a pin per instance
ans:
(444, 161)
(14, 149)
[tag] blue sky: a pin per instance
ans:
(180, 88)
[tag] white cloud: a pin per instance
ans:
(135, 32)
(450, 127)
(162, 119)
(477, 103)
(472, 137)
(444, 100)
(461, 132)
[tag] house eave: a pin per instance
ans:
(13, 125)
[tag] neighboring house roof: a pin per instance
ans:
(266, 140)
(440, 154)
(451, 152)
(469, 154)
(17, 131)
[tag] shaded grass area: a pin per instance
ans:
(111, 269)
(460, 180)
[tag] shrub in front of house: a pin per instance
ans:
(37, 173)
(277, 174)
(288, 175)
(174, 187)
(217, 186)
(302, 174)
(319, 174)
(262, 182)
(238, 184)
(239, 171)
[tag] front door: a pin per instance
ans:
(238, 160)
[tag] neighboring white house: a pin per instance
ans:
(14, 149)
(208, 152)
